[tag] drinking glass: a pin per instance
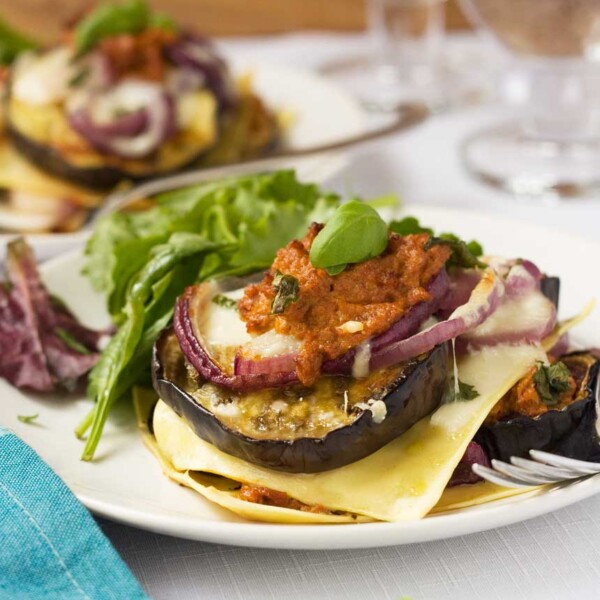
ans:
(552, 143)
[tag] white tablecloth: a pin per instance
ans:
(552, 557)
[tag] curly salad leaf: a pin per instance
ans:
(142, 261)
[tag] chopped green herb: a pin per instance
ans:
(408, 226)
(70, 341)
(224, 301)
(463, 255)
(29, 419)
(354, 234)
(286, 287)
(464, 392)
(550, 381)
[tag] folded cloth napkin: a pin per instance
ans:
(50, 546)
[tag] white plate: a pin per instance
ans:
(321, 113)
(125, 482)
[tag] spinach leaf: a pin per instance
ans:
(143, 261)
(354, 234)
(12, 43)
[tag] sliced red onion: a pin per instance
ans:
(482, 303)
(192, 52)
(149, 121)
(404, 327)
(527, 318)
(562, 346)
(193, 346)
(463, 474)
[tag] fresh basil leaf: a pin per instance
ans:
(225, 302)
(465, 392)
(12, 43)
(286, 288)
(408, 226)
(113, 19)
(28, 418)
(461, 255)
(70, 341)
(142, 261)
(354, 234)
(336, 269)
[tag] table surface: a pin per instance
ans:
(555, 556)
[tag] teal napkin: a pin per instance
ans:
(50, 546)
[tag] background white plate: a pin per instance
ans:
(125, 482)
(321, 113)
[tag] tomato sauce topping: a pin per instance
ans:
(523, 399)
(265, 495)
(139, 55)
(333, 314)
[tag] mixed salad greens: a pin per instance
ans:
(142, 261)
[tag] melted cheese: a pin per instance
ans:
(403, 480)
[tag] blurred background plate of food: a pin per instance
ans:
(127, 95)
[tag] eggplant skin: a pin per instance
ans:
(417, 393)
(550, 287)
(100, 178)
(570, 432)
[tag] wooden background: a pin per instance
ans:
(43, 18)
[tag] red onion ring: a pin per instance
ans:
(404, 327)
(135, 135)
(194, 53)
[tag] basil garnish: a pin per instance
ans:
(550, 381)
(286, 287)
(109, 20)
(465, 391)
(354, 234)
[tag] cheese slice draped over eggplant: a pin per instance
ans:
(402, 481)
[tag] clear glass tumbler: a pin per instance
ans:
(552, 144)
(407, 38)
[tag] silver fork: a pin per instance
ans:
(543, 469)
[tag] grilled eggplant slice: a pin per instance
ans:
(569, 432)
(297, 429)
(44, 137)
